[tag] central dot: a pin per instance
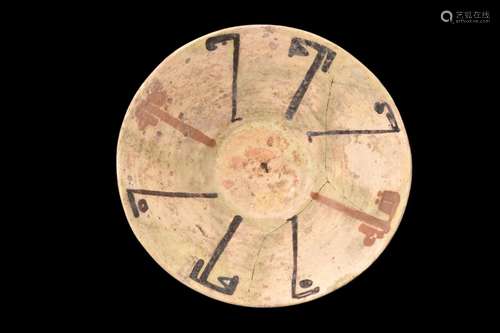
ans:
(264, 166)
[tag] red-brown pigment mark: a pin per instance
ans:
(150, 110)
(144, 119)
(351, 212)
(374, 228)
(388, 202)
(370, 234)
(260, 154)
(184, 128)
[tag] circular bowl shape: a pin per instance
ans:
(263, 166)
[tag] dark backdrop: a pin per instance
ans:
(437, 73)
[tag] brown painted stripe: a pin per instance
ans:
(182, 127)
(354, 213)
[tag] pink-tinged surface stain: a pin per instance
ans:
(238, 162)
(260, 154)
(228, 183)
(144, 118)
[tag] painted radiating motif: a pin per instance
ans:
(263, 166)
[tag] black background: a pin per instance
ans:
(438, 265)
